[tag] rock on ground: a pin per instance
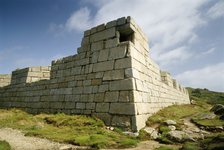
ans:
(179, 136)
(170, 122)
(218, 109)
(152, 132)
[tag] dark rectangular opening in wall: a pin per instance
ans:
(126, 37)
(125, 34)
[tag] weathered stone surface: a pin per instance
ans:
(80, 105)
(152, 132)
(103, 66)
(106, 34)
(121, 121)
(179, 136)
(170, 122)
(99, 97)
(126, 84)
(125, 96)
(112, 43)
(103, 88)
(122, 108)
(103, 56)
(102, 107)
(97, 46)
(111, 96)
(118, 52)
(114, 75)
(123, 63)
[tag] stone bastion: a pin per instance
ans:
(111, 77)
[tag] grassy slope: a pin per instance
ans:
(210, 97)
(4, 145)
(74, 129)
(204, 100)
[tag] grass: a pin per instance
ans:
(175, 112)
(4, 145)
(165, 148)
(214, 141)
(208, 122)
(75, 129)
(205, 95)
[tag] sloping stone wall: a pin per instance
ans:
(112, 77)
(5, 79)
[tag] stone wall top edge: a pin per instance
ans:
(116, 23)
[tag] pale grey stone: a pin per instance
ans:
(179, 136)
(111, 96)
(87, 89)
(77, 90)
(103, 56)
(118, 52)
(100, 27)
(111, 24)
(97, 46)
(114, 75)
(122, 108)
(90, 105)
(103, 35)
(121, 21)
(126, 84)
(170, 122)
(172, 127)
(121, 121)
(103, 88)
(124, 96)
(152, 132)
(123, 63)
(112, 43)
(87, 33)
(102, 107)
(80, 106)
(103, 66)
(106, 117)
(95, 57)
(99, 97)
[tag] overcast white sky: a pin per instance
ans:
(186, 36)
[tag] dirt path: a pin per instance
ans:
(193, 130)
(18, 141)
(149, 145)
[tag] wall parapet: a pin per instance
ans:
(5, 79)
(112, 77)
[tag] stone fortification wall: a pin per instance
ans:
(5, 79)
(30, 74)
(112, 77)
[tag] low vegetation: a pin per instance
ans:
(207, 96)
(4, 145)
(203, 100)
(73, 129)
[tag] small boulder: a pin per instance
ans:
(152, 132)
(218, 109)
(133, 134)
(65, 147)
(172, 127)
(221, 117)
(170, 122)
(179, 136)
(193, 102)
